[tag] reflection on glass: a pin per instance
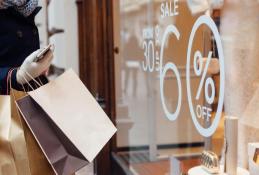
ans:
(147, 140)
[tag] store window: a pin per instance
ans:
(186, 86)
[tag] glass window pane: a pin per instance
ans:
(184, 67)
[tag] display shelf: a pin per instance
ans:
(200, 171)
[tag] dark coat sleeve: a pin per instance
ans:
(3, 80)
(5, 88)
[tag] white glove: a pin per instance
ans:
(31, 69)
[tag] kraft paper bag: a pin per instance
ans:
(12, 139)
(34, 161)
(71, 116)
(7, 164)
(61, 153)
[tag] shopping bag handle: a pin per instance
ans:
(38, 83)
(9, 83)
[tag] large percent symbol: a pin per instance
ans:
(198, 69)
(206, 132)
(171, 29)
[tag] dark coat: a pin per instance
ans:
(18, 39)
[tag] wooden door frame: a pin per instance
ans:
(96, 63)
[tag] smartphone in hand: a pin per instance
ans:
(43, 53)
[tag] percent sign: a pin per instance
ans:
(199, 71)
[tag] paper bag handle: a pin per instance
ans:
(9, 82)
(38, 83)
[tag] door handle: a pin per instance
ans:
(100, 100)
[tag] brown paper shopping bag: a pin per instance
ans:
(7, 164)
(35, 159)
(77, 126)
(12, 141)
(19, 155)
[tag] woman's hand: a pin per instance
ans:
(31, 69)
